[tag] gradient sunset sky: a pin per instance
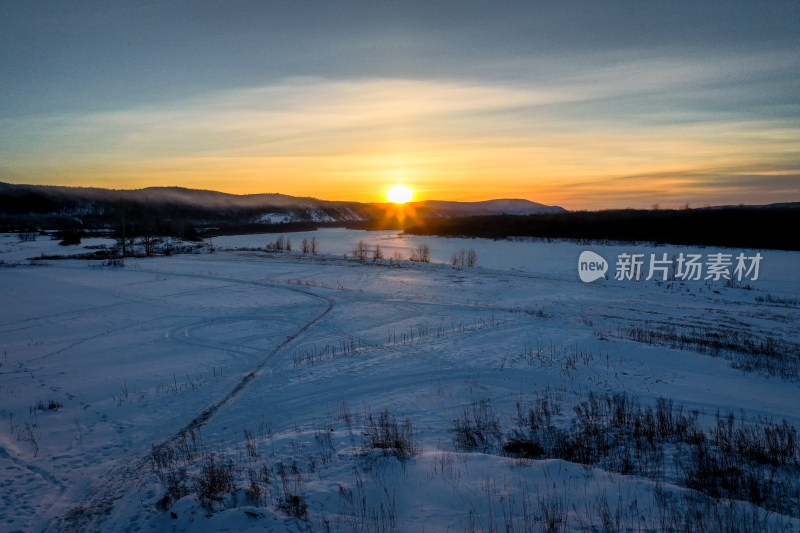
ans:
(586, 105)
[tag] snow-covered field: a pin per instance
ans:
(253, 390)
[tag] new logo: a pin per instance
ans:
(591, 266)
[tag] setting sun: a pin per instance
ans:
(399, 194)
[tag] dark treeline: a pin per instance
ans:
(742, 227)
(121, 218)
(192, 214)
(168, 211)
(32, 212)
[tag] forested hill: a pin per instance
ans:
(162, 209)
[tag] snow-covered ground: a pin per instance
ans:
(779, 270)
(252, 390)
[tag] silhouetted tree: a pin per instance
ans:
(422, 254)
(472, 258)
(361, 250)
(281, 243)
(148, 238)
(122, 227)
(465, 257)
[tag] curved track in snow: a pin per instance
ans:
(98, 503)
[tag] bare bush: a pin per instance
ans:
(361, 250)
(258, 484)
(422, 254)
(478, 427)
(471, 259)
(765, 354)
(386, 434)
(31, 435)
(291, 500)
(281, 243)
(176, 487)
(751, 461)
(362, 515)
(295, 506)
(310, 246)
(467, 257)
(217, 478)
(50, 405)
(778, 300)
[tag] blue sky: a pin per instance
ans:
(584, 104)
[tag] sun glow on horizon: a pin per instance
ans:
(399, 194)
(451, 141)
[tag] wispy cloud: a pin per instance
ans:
(640, 128)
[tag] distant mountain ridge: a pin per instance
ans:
(203, 198)
(57, 206)
(489, 207)
(169, 195)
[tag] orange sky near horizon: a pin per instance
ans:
(444, 140)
